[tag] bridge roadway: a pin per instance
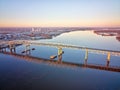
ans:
(60, 45)
(63, 63)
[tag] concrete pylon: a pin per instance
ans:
(108, 59)
(27, 49)
(60, 51)
(86, 54)
(86, 57)
(12, 46)
(108, 56)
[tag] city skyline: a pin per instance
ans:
(54, 13)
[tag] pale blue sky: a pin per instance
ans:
(59, 12)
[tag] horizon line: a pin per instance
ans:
(59, 26)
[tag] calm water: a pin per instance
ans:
(19, 74)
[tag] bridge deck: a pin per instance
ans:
(57, 45)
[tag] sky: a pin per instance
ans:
(55, 13)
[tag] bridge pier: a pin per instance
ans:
(12, 48)
(3, 48)
(60, 59)
(60, 52)
(108, 59)
(0, 48)
(27, 49)
(86, 57)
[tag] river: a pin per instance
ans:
(19, 74)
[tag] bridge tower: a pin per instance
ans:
(108, 58)
(86, 56)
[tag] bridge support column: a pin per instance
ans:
(108, 59)
(12, 48)
(60, 59)
(86, 56)
(0, 48)
(4, 50)
(27, 49)
(60, 52)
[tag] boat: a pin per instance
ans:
(33, 48)
(23, 52)
(53, 57)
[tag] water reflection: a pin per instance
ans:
(18, 73)
(63, 63)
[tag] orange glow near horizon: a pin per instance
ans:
(59, 24)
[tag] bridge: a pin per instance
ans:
(60, 45)
(12, 46)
